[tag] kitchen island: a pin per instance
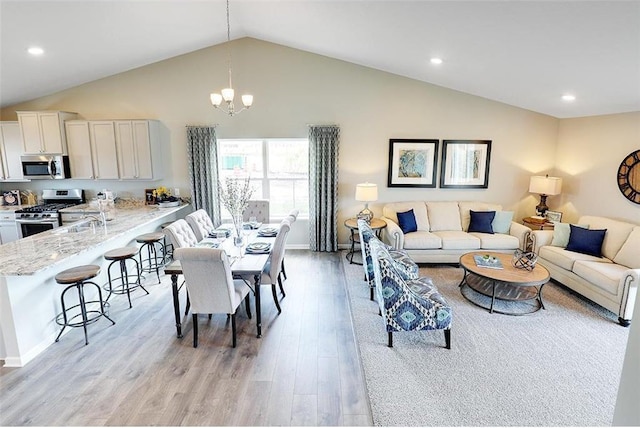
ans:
(29, 294)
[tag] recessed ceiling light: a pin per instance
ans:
(568, 97)
(34, 50)
(436, 60)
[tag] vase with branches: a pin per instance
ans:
(234, 195)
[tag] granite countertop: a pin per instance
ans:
(13, 208)
(35, 253)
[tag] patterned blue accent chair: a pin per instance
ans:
(407, 305)
(404, 264)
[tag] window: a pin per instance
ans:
(278, 167)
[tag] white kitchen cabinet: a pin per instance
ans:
(43, 131)
(8, 228)
(139, 149)
(10, 151)
(92, 149)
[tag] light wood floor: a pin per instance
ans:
(305, 369)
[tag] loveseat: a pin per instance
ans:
(442, 234)
(610, 280)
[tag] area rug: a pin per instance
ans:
(556, 367)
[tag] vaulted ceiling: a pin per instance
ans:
(523, 53)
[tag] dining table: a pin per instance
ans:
(244, 265)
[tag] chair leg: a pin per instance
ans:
(188, 306)
(247, 306)
(275, 297)
(284, 273)
(233, 328)
(390, 344)
(281, 287)
(195, 330)
(447, 338)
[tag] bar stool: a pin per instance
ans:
(155, 259)
(121, 255)
(78, 277)
(167, 247)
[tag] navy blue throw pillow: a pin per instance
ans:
(407, 221)
(481, 221)
(586, 241)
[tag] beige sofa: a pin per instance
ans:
(442, 235)
(610, 281)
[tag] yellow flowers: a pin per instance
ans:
(161, 192)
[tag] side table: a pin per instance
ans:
(535, 224)
(352, 224)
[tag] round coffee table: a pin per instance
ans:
(508, 283)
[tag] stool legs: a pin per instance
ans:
(124, 279)
(68, 322)
(152, 258)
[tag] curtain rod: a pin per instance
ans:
(325, 124)
(213, 125)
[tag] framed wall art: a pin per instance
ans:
(465, 164)
(412, 163)
(553, 216)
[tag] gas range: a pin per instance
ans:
(46, 216)
(42, 211)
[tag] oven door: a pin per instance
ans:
(31, 227)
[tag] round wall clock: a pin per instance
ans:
(629, 177)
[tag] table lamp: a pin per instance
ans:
(366, 192)
(544, 186)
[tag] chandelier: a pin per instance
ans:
(227, 94)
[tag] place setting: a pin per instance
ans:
(268, 232)
(258, 248)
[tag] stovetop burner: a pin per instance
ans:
(45, 208)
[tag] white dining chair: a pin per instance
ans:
(200, 223)
(271, 271)
(211, 287)
(292, 217)
(181, 234)
(258, 208)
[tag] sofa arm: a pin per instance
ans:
(540, 238)
(520, 231)
(392, 234)
(629, 282)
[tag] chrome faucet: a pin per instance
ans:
(102, 220)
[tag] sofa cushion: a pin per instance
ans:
(565, 259)
(496, 241)
(465, 208)
(458, 240)
(422, 240)
(587, 241)
(407, 221)
(617, 233)
(502, 222)
(481, 221)
(605, 276)
(629, 254)
(561, 232)
(419, 211)
(444, 216)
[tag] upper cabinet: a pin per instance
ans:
(92, 149)
(138, 143)
(10, 151)
(44, 131)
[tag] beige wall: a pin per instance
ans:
(589, 152)
(293, 88)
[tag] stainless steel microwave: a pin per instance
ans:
(45, 167)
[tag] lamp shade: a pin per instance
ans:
(366, 192)
(545, 185)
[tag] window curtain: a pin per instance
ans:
(323, 187)
(202, 157)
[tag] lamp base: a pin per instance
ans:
(366, 215)
(542, 207)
